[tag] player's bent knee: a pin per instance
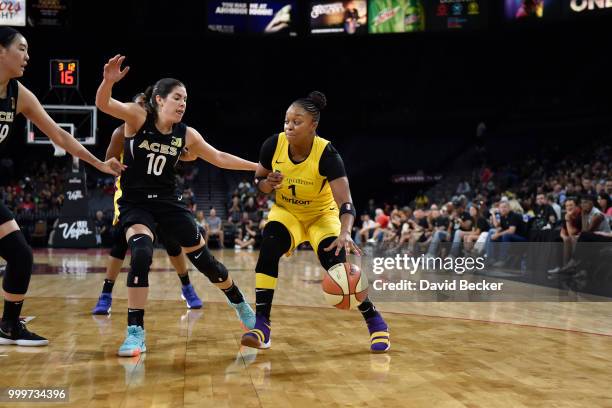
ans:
(142, 256)
(18, 255)
(276, 241)
(206, 263)
(329, 258)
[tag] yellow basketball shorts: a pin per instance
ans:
(314, 230)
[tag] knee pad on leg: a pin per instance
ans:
(206, 263)
(329, 259)
(18, 255)
(276, 242)
(142, 256)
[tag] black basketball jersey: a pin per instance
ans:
(8, 109)
(151, 159)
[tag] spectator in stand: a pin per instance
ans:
(608, 187)
(367, 229)
(215, 227)
(417, 231)
(440, 227)
(262, 201)
(587, 186)
(594, 229)
(545, 215)
(27, 205)
(394, 228)
(480, 228)
(102, 226)
(381, 223)
(593, 219)
(550, 200)
(463, 223)
(235, 210)
(200, 220)
(508, 228)
(246, 233)
(605, 204)
(572, 226)
(243, 188)
(251, 207)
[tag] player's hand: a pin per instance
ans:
(275, 179)
(345, 241)
(111, 166)
(112, 69)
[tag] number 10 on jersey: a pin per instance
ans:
(156, 164)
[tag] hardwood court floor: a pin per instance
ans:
(443, 354)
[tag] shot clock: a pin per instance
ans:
(64, 73)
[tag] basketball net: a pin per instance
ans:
(58, 151)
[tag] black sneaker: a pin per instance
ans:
(20, 336)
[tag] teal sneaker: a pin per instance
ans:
(245, 313)
(134, 343)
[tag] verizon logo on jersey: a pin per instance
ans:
(158, 148)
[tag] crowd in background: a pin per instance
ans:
(567, 201)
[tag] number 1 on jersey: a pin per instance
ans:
(156, 164)
(292, 188)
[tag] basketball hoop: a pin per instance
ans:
(58, 151)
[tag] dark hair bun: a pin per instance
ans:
(319, 99)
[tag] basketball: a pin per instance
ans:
(344, 286)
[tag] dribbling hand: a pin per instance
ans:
(111, 166)
(345, 241)
(112, 69)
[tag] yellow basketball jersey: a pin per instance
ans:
(304, 191)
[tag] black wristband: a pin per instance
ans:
(347, 208)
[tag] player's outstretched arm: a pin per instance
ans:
(28, 104)
(131, 113)
(196, 145)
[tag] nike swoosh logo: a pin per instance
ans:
(198, 255)
(259, 304)
(260, 290)
(277, 162)
(136, 239)
(5, 333)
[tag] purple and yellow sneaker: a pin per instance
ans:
(259, 336)
(380, 341)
